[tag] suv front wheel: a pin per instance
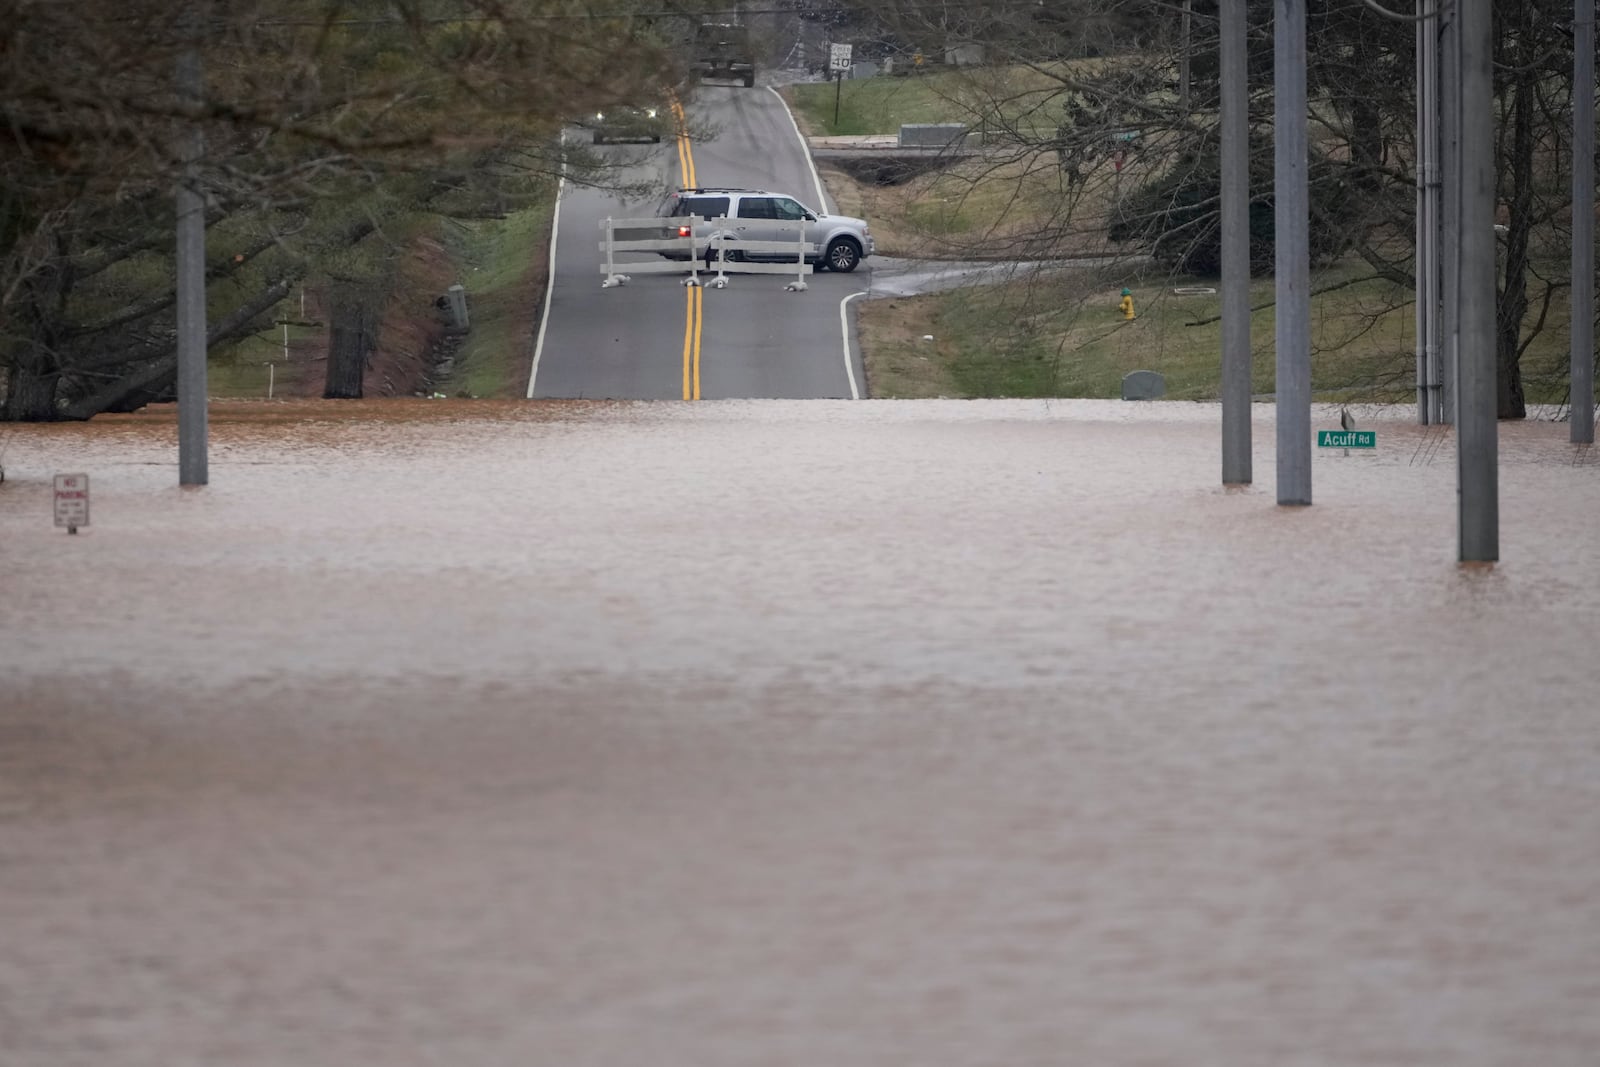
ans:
(843, 255)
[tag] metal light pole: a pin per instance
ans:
(1449, 250)
(1477, 441)
(1427, 258)
(191, 279)
(1291, 207)
(1235, 246)
(1581, 425)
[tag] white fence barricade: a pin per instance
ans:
(643, 235)
(659, 235)
(722, 246)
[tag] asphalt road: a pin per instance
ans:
(654, 338)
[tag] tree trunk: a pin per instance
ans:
(349, 344)
(35, 369)
(1510, 402)
(30, 394)
(1366, 124)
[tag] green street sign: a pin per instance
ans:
(1347, 438)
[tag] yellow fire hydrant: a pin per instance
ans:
(1126, 304)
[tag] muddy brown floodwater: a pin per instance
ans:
(813, 734)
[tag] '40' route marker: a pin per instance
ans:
(1347, 438)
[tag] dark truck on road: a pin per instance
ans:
(724, 51)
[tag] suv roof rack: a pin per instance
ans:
(716, 189)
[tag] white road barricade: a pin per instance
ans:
(657, 241)
(652, 235)
(721, 245)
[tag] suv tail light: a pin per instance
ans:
(683, 231)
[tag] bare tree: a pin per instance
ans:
(1090, 89)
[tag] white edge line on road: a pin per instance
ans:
(844, 329)
(805, 148)
(549, 283)
(822, 201)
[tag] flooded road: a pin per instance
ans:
(792, 733)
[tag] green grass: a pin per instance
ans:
(877, 105)
(495, 260)
(1062, 335)
(881, 105)
(499, 258)
(984, 200)
(241, 369)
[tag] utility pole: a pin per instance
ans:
(1449, 83)
(1581, 422)
(1235, 244)
(1477, 441)
(1291, 207)
(1429, 323)
(191, 270)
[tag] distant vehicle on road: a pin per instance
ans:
(722, 50)
(833, 242)
(627, 123)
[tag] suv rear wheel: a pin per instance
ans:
(843, 255)
(728, 249)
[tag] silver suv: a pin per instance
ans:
(833, 242)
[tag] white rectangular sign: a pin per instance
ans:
(72, 501)
(839, 58)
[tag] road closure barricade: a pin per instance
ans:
(642, 235)
(653, 235)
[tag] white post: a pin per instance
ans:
(799, 285)
(611, 267)
(271, 368)
(694, 255)
(720, 243)
(612, 277)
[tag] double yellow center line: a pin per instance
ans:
(693, 315)
(694, 295)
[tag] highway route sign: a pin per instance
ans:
(839, 58)
(72, 501)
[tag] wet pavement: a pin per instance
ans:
(892, 277)
(792, 733)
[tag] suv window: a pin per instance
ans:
(707, 207)
(756, 207)
(785, 208)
